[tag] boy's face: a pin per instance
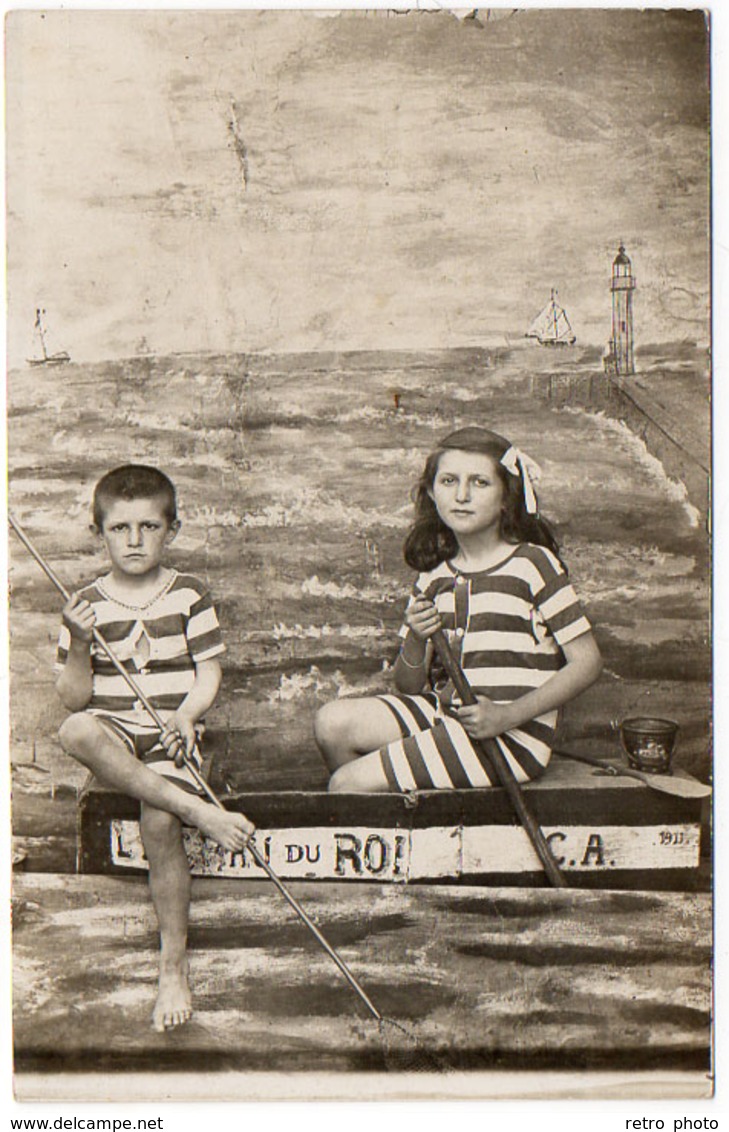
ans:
(136, 533)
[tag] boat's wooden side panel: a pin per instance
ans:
(605, 832)
(490, 978)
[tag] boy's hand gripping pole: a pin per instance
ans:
(503, 771)
(98, 637)
(258, 858)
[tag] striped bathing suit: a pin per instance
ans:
(159, 644)
(506, 627)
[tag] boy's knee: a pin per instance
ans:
(75, 733)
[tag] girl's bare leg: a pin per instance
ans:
(169, 885)
(83, 737)
(362, 776)
(347, 729)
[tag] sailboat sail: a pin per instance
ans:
(41, 356)
(551, 327)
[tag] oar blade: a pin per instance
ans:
(677, 786)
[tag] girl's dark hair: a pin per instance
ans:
(133, 481)
(430, 542)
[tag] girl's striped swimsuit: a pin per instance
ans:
(159, 644)
(506, 627)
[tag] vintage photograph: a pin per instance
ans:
(359, 451)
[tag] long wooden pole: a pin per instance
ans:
(150, 708)
(502, 770)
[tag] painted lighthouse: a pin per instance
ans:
(620, 359)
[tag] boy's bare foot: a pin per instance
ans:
(229, 829)
(174, 1002)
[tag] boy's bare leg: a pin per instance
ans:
(347, 729)
(83, 737)
(169, 885)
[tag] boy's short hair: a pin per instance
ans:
(133, 481)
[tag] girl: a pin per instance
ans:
(491, 577)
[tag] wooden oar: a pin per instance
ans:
(392, 1033)
(502, 770)
(664, 783)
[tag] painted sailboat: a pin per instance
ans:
(42, 357)
(551, 327)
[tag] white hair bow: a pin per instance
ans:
(517, 463)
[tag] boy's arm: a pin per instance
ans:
(201, 697)
(75, 683)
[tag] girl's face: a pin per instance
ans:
(468, 492)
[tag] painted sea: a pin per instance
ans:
(294, 475)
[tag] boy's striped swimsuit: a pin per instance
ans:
(159, 644)
(506, 627)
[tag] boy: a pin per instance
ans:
(163, 627)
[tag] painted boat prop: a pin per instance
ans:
(605, 832)
(596, 829)
(552, 327)
(43, 357)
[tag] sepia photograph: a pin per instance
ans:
(359, 553)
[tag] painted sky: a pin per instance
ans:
(278, 181)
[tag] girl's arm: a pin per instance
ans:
(411, 667)
(181, 724)
(485, 720)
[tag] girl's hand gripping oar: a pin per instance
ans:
(391, 1032)
(501, 767)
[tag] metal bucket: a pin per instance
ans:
(649, 743)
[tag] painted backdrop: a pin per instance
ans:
(286, 252)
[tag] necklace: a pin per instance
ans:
(145, 605)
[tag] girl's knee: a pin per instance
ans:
(328, 723)
(336, 732)
(362, 776)
(338, 783)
